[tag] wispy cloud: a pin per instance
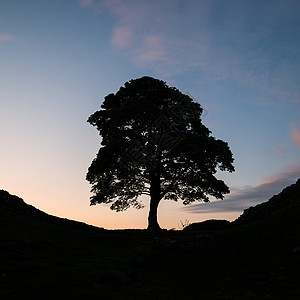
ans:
(152, 50)
(134, 32)
(244, 197)
(296, 137)
(5, 37)
(86, 3)
(279, 150)
(157, 34)
(96, 6)
(122, 37)
(172, 37)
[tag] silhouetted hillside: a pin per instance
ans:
(288, 196)
(208, 225)
(17, 205)
(44, 257)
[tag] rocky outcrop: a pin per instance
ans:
(288, 196)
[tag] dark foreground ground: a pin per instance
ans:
(258, 260)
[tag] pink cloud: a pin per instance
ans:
(143, 32)
(296, 137)
(86, 3)
(189, 41)
(151, 49)
(122, 37)
(5, 37)
(279, 150)
(134, 33)
(120, 8)
(96, 6)
(283, 178)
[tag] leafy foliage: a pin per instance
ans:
(154, 143)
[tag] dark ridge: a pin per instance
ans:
(17, 205)
(259, 260)
(286, 197)
(209, 225)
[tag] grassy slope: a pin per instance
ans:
(258, 260)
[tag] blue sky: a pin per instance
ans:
(58, 60)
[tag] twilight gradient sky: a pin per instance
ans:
(240, 59)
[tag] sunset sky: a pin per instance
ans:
(240, 59)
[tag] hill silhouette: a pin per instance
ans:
(17, 205)
(44, 257)
(287, 197)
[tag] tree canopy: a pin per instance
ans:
(154, 143)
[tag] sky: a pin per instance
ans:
(239, 59)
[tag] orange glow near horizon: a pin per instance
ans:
(169, 213)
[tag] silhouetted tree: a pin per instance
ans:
(154, 143)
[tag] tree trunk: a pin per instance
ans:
(152, 217)
(155, 198)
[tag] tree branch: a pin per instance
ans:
(174, 180)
